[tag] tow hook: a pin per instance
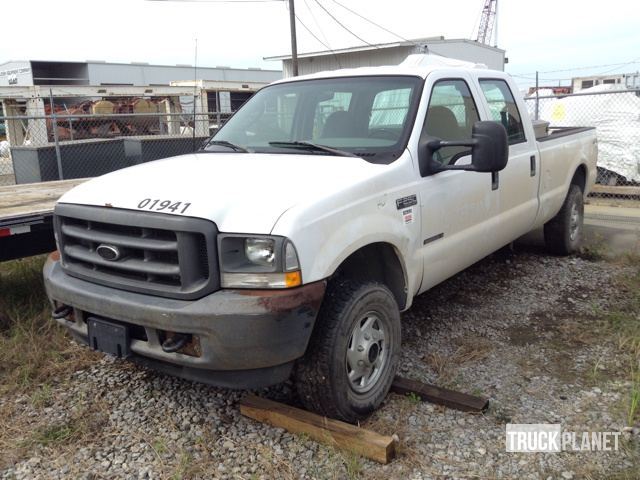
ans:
(61, 312)
(175, 342)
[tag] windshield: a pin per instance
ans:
(369, 117)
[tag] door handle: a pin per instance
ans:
(495, 180)
(532, 159)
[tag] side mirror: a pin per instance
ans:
(489, 150)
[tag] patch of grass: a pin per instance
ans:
(54, 434)
(624, 321)
(634, 397)
(33, 349)
(354, 466)
(414, 398)
(36, 356)
(42, 396)
(182, 471)
(160, 446)
(85, 423)
(596, 251)
(446, 367)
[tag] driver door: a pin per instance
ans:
(458, 208)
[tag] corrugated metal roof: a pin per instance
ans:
(361, 48)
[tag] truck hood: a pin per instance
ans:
(242, 193)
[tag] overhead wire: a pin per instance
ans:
(342, 25)
(585, 67)
(317, 24)
(370, 21)
(326, 42)
(219, 1)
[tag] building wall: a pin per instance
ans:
(458, 49)
(28, 73)
(367, 58)
(16, 74)
(111, 73)
(625, 80)
(469, 51)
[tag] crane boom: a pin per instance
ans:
(487, 21)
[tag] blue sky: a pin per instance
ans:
(544, 35)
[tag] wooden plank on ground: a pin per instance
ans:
(33, 198)
(439, 395)
(614, 190)
(325, 430)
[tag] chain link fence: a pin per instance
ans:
(616, 116)
(96, 137)
(99, 136)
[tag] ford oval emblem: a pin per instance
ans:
(109, 252)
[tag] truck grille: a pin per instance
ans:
(164, 255)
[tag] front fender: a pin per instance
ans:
(326, 241)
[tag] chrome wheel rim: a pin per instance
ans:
(574, 222)
(367, 352)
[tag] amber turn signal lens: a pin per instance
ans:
(293, 279)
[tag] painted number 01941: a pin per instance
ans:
(160, 205)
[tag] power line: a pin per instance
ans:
(343, 26)
(326, 42)
(315, 21)
(311, 33)
(370, 21)
(637, 60)
(219, 1)
(587, 67)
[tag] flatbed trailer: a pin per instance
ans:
(26, 214)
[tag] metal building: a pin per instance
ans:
(625, 80)
(393, 54)
(94, 72)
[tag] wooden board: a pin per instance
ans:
(441, 396)
(325, 430)
(614, 190)
(32, 198)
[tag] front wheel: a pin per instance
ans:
(563, 233)
(353, 354)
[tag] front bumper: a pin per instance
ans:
(247, 338)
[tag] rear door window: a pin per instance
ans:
(503, 108)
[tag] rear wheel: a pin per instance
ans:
(563, 233)
(353, 354)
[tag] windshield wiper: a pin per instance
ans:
(313, 146)
(225, 143)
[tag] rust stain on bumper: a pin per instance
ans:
(277, 301)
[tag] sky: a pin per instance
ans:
(545, 35)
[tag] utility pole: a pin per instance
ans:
(294, 45)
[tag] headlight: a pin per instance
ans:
(260, 251)
(258, 262)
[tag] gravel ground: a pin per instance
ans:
(516, 327)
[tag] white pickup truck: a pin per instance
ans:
(291, 243)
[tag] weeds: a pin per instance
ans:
(414, 398)
(625, 323)
(32, 347)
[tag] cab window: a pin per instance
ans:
(503, 108)
(450, 116)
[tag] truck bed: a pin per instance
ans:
(18, 202)
(26, 213)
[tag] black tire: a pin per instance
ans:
(563, 233)
(321, 376)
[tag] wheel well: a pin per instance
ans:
(580, 178)
(376, 262)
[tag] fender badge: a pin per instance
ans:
(406, 202)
